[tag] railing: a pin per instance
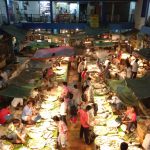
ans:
(47, 18)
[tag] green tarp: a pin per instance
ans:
(124, 93)
(14, 31)
(140, 86)
(145, 53)
(33, 46)
(104, 44)
(131, 90)
(22, 85)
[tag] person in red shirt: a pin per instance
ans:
(84, 120)
(84, 74)
(5, 115)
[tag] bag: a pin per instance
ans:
(92, 136)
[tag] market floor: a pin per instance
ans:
(74, 141)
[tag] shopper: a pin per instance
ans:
(76, 95)
(123, 146)
(135, 67)
(128, 71)
(84, 120)
(80, 69)
(63, 110)
(62, 128)
(84, 75)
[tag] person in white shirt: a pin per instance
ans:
(80, 69)
(128, 71)
(76, 95)
(146, 141)
(135, 67)
(116, 101)
(34, 93)
(106, 62)
(17, 101)
(63, 110)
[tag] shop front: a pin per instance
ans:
(65, 12)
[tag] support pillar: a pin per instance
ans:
(7, 12)
(51, 11)
(112, 12)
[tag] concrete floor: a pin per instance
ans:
(74, 141)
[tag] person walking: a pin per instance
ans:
(84, 120)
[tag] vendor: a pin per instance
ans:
(5, 115)
(34, 93)
(17, 102)
(16, 132)
(28, 114)
(130, 119)
(116, 101)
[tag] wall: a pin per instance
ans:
(139, 21)
(3, 15)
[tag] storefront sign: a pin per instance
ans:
(94, 21)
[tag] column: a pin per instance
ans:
(112, 12)
(7, 12)
(51, 11)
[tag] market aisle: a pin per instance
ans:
(74, 142)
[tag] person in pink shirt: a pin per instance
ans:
(131, 119)
(84, 120)
(62, 128)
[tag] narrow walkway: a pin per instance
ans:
(74, 142)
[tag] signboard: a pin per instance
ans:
(94, 21)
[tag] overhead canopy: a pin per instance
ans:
(17, 32)
(59, 51)
(22, 85)
(144, 52)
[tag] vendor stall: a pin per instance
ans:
(106, 126)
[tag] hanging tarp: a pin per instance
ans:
(124, 93)
(140, 86)
(59, 51)
(144, 52)
(130, 90)
(14, 31)
(22, 85)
